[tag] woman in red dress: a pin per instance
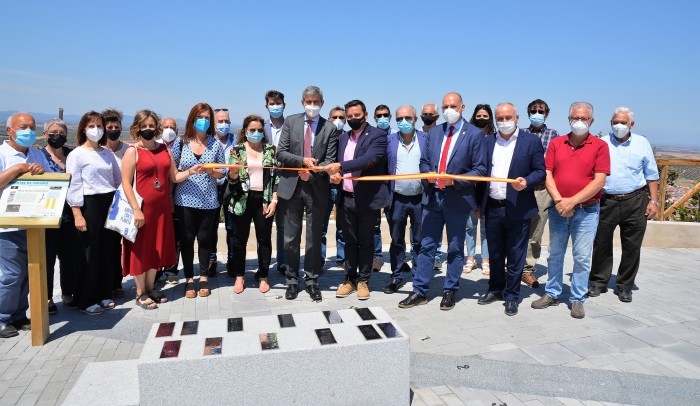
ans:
(155, 168)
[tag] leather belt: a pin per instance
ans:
(495, 204)
(587, 204)
(624, 196)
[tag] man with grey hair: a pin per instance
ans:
(577, 165)
(403, 155)
(307, 141)
(626, 204)
(17, 157)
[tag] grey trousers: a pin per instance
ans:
(534, 247)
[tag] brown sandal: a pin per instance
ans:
(157, 296)
(145, 302)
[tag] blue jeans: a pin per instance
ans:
(340, 244)
(378, 239)
(14, 280)
(581, 227)
(470, 238)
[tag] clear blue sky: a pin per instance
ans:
(169, 55)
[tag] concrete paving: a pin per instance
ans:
(645, 353)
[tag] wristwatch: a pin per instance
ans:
(654, 202)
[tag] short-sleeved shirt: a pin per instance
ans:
(574, 168)
(199, 191)
(632, 164)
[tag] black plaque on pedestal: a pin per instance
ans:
(389, 330)
(171, 349)
(332, 316)
(369, 332)
(189, 328)
(365, 313)
(165, 329)
(286, 320)
(268, 341)
(235, 324)
(325, 336)
(212, 346)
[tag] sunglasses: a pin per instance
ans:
(407, 118)
(218, 110)
(536, 111)
(56, 134)
(381, 115)
(338, 117)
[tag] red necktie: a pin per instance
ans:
(307, 140)
(443, 158)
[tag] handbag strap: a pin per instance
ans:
(136, 161)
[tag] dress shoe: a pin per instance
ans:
(544, 302)
(448, 300)
(577, 311)
(23, 324)
(377, 264)
(625, 296)
(511, 307)
(314, 292)
(7, 331)
(414, 299)
(393, 286)
(595, 291)
(529, 279)
(292, 292)
(489, 297)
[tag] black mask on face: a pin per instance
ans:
(147, 134)
(114, 134)
(356, 123)
(56, 141)
(428, 119)
(482, 122)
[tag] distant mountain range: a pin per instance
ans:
(69, 118)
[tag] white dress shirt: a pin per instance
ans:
(93, 173)
(500, 164)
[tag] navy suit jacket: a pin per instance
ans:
(467, 158)
(369, 159)
(527, 162)
(394, 141)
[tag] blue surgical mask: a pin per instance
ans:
(223, 128)
(537, 120)
(201, 125)
(26, 137)
(254, 136)
(405, 126)
(383, 123)
(276, 111)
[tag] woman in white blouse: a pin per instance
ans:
(95, 177)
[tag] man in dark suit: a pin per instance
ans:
(307, 140)
(361, 152)
(508, 208)
(455, 147)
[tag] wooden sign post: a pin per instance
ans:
(35, 202)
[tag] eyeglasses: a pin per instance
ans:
(536, 111)
(218, 110)
(407, 118)
(572, 119)
(381, 115)
(56, 134)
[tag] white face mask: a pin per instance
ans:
(311, 110)
(168, 135)
(94, 133)
(579, 127)
(506, 127)
(339, 124)
(620, 131)
(451, 115)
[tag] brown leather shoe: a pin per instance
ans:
(530, 280)
(346, 289)
(362, 290)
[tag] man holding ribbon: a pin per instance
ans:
(455, 147)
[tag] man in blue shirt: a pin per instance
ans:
(222, 121)
(625, 203)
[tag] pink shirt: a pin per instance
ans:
(348, 156)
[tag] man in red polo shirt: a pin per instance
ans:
(577, 165)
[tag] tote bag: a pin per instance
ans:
(121, 215)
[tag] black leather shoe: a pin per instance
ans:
(393, 286)
(23, 324)
(448, 300)
(7, 331)
(625, 296)
(490, 297)
(414, 299)
(511, 307)
(595, 291)
(292, 292)
(313, 291)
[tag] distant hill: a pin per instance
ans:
(68, 118)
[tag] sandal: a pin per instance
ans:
(157, 296)
(93, 310)
(485, 268)
(469, 266)
(145, 302)
(107, 304)
(204, 290)
(190, 293)
(239, 286)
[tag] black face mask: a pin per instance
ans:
(147, 134)
(428, 119)
(482, 122)
(114, 134)
(356, 123)
(56, 141)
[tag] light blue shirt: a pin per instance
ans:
(632, 164)
(408, 162)
(230, 143)
(455, 135)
